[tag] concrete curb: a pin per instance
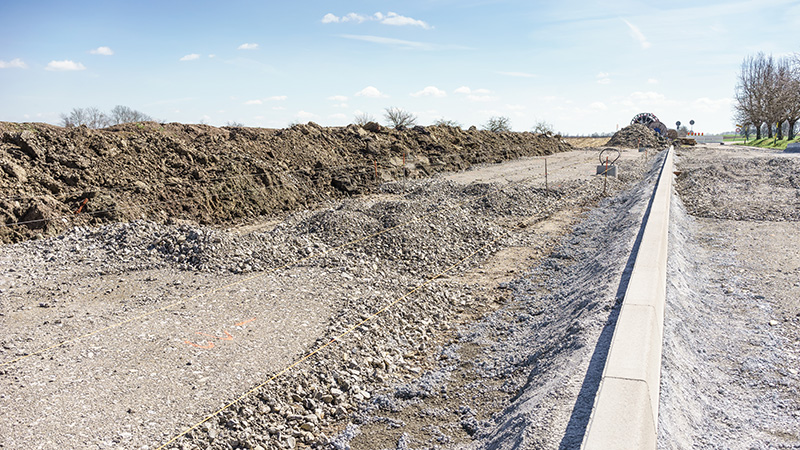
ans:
(625, 411)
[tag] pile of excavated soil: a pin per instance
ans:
(636, 136)
(208, 175)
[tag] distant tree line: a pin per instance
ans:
(768, 95)
(400, 118)
(94, 118)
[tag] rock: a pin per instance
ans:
(372, 126)
(15, 171)
(26, 141)
(38, 214)
(773, 323)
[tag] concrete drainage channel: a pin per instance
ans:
(625, 411)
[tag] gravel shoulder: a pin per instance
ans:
(732, 325)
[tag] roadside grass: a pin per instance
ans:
(767, 143)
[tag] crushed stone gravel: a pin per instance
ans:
(90, 278)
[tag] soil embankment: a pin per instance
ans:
(208, 175)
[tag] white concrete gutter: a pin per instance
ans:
(625, 411)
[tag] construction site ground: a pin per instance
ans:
(460, 311)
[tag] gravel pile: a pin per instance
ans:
(369, 367)
(766, 188)
(636, 136)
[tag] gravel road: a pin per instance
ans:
(124, 335)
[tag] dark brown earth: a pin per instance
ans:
(218, 176)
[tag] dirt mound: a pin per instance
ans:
(636, 136)
(208, 175)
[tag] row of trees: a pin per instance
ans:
(94, 118)
(400, 118)
(768, 95)
(395, 118)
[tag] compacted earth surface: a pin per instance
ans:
(466, 310)
(732, 325)
(409, 317)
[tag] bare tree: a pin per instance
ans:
(94, 118)
(399, 118)
(791, 93)
(363, 119)
(123, 114)
(752, 91)
(234, 124)
(75, 118)
(498, 124)
(446, 123)
(543, 127)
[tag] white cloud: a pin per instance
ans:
(649, 96)
(430, 91)
(467, 90)
(652, 81)
(603, 78)
(15, 63)
(476, 95)
(390, 18)
(398, 20)
(248, 46)
(390, 41)
(305, 115)
(105, 51)
(190, 57)
(707, 105)
(518, 74)
(65, 65)
(352, 17)
(330, 18)
(480, 98)
(338, 98)
(274, 98)
(598, 106)
(371, 92)
(212, 56)
(638, 35)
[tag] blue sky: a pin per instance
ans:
(583, 66)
